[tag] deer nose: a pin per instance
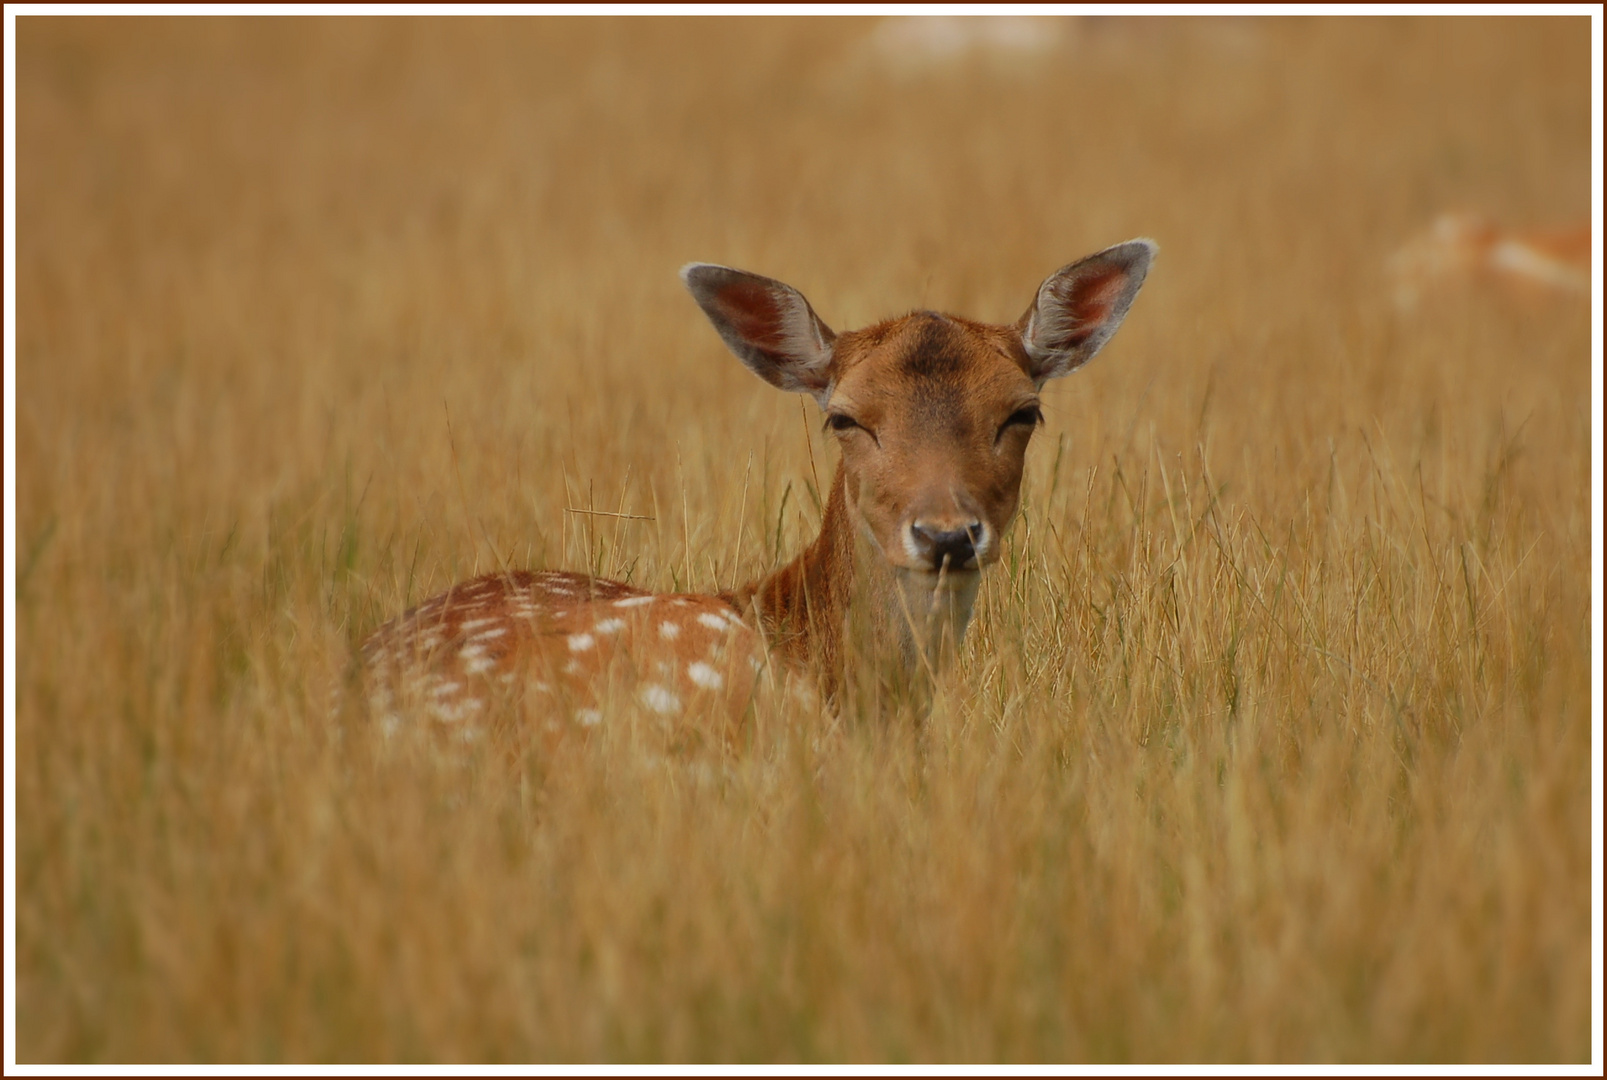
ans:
(951, 548)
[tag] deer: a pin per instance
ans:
(1463, 247)
(932, 414)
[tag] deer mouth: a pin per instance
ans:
(938, 585)
(943, 573)
(937, 603)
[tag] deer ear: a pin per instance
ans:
(770, 326)
(1079, 307)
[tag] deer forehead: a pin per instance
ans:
(938, 373)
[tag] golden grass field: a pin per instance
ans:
(1271, 740)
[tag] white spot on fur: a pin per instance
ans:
(589, 717)
(669, 631)
(488, 635)
(660, 699)
(712, 621)
(609, 626)
(705, 676)
(461, 710)
(443, 689)
(475, 660)
(572, 668)
(474, 624)
(633, 601)
(581, 642)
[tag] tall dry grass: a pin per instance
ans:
(1271, 741)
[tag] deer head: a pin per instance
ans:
(933, 414)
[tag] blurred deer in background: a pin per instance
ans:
(933, 414)
(1466, 248)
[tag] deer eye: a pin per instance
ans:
(842, 422)
(1028, 415)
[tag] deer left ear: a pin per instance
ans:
(1079, 307)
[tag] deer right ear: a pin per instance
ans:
(770, 326)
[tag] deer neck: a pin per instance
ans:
(842, 610)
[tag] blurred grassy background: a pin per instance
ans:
(1271, 741)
